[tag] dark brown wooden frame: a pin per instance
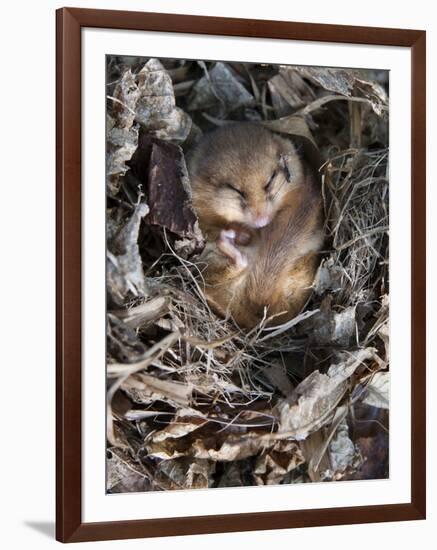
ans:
(69, 526)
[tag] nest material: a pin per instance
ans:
(194, 402)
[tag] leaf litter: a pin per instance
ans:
(193, 401)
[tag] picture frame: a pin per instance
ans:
(70, 526)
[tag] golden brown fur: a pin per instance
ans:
(263, 233)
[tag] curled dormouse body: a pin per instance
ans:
(260, 209)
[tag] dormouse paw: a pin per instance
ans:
(226, 244)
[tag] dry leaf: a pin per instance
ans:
(146, 389)
(185, 473)
(121, 144)
(219, 87)
(377, 391)
(313, 402)
(329, 277)
(124, 473)
(289, 91)
(156, 108)
(160, 167)
(179, 427)
(314, 449)
(124, 268)
(328, 327)
(121, 132)
(272, 466)
(224, 448)
(349, 84)
(343, 455)
(125, 99)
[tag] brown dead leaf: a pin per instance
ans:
(121, 132)
(179, 427)
(161, 169)
(314, 452)
(312, 404)
(377, 391)
(272, 466)
(145, 389)
(156, 108)
(219, 88)
(328, 327)
(124, 474)
(124, 268)
(185, 473)
(218, 448)
(348, 83)
(289, 91)
(344, 456)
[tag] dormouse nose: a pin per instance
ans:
(261, 220)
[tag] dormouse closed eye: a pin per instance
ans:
(268, 186)
(241, 193)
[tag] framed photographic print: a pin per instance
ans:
(240, 274)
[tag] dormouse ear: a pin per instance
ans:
(286, 163)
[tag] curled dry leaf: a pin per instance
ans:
(216, 447)
(145, 389)
(169, 191)
(330, 452)
(312, 404)
(179, 427)
(329, 277)
(348, 83)
(377, 391)
(121, 131)
(121, 144)
(125, 99)
(328, 327)
(124, 473)
(161, 168)
(334, 80)
(156, 108)
(124, 268)
(185, 473)
(272, 466)
(344, 456)
(234, 447)
(220, 88)
(314, 450)
(289, 91)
